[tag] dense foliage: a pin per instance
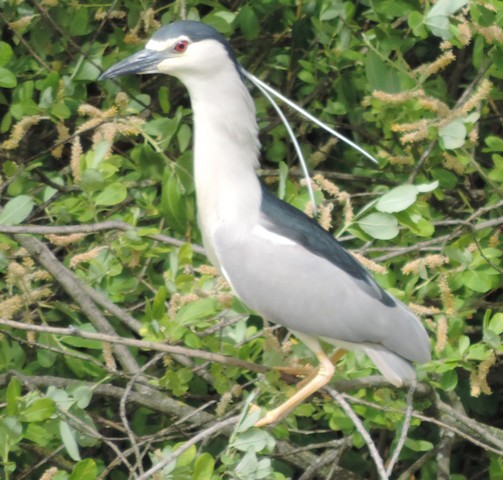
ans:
(99, 245)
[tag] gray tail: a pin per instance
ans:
(395, 368)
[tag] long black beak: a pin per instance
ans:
(145, 61)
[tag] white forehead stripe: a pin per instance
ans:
(161, 45)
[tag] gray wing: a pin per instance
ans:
(303, 290)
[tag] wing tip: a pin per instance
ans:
(396, 369)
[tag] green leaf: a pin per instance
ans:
(248, 22)
(11, 431)
(16, 210)
(427, 187)
(221, 21)
(254, 439)
(197, 310)
(204, 467)
(418, 445)
(82, 394)
(496, 467)
(183, 136)
(398, 199)
(111, 195)
(187, 457)
(453, 135)
(76, 341)
(380, 75)
(98, 154)
(70, 442)
(159, 304)
(172, 201)
(163, 97)
(478, 352)
(283, 176)
(91, 180)
(249, 420)
(88, 71)
(437, 19)
(13, 394)
(40, 410)
(5, 53)
(248, 465)
(60, 110)
(416, 22)
(477, 280)
(84, 470)
(449, 380)
(79, 21)
(382, 226)
(494, 144)
(7, 78)
(37, 433)
(496, 323)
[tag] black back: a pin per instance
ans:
(288, 221)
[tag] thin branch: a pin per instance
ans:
(122, 409)
(485, 430)
(331, 455)
(216, 427)
(405, 428)
(444, 455)
(409, 473)
(93, 228)
(132, 342)
(339, 398)
(440, 240)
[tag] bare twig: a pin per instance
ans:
(92, 228)
(132, 342)
(440, 240)
(123, 414)
(405, 428)
(339, 398)
(444, 454)
(331, 455)
(484, 431)
(216, 427)
(409, 473)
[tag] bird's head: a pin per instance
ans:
(184, 49)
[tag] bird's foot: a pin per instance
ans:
(271, 417)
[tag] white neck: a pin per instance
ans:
(225, 152)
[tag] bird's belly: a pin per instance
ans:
(301, 291)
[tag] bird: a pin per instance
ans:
(277, 260)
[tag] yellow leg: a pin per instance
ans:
(334, 358)
(296, 371)
(337, 355)
(323, 375)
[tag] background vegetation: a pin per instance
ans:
(122, 350)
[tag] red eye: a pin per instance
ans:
(181, 46)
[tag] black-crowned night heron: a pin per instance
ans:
(278, 261)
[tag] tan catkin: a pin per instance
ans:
(108, 357)
(86, 256)
(441, 334)
(369, 264)
(75, 155)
